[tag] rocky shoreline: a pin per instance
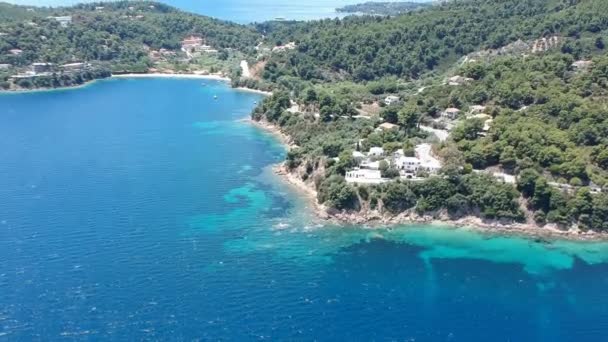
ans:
(375, 219)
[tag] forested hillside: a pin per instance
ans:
(367, 48)
(119, 34)
(383, 8)
(529, 80)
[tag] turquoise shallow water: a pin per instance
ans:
(144, 209)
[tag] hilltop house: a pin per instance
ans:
(387, 126)
(77, 66)
(191, 42)
(423, 161)
(458, 80)
(282, 48)
(476, 109)
(582, 65)
(39, 68)
(391, 99)
(64, 21)
(450, 113)
(407, 164)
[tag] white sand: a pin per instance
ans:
(156, 75)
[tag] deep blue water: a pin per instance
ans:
(144, 209)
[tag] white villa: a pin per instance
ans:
(391, 99)
(363, 176)
(64, 21)
(582, 65)
(282, 48)
(387, 126)
(407, 164)
(423, 161)
(369, 172)
(376, 152)
(458, 80)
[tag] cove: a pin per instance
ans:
(146, 209)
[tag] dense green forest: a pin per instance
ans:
(549, 107)
(367, 48)
(383, 8)
(117, 35)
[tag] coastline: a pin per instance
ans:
(65, 88)
(273, 130)
(374, 219)
(172, 75)
(213, 77)
(252, 90)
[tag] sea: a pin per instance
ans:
(240, 11)
(147, 209)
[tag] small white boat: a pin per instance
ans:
(215, 97)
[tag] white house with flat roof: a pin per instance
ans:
(64, 21)
(407, 164)
(376, 152)
(477, 109)
(458, 80)
(78, 66)
(364, 176)
(391, 99)
(387, 126)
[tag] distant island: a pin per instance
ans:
(383, 8)
(469, 112)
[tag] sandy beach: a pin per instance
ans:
(267, 93)
(167, 75)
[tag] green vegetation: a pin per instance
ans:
(58, 80)
(116, 36)
(546, 114)
(537, 69)
(369, 48)
(383, 8)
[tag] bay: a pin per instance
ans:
(240, 11)
(138, 209)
